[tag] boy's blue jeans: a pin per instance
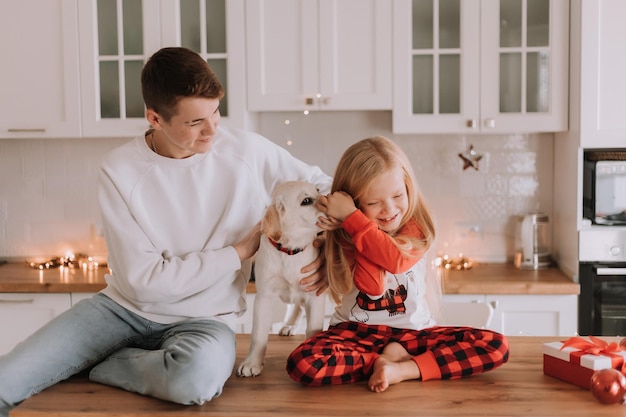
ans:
(186, 362)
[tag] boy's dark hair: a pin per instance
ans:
(173, 73)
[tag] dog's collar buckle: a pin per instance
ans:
(288, 251)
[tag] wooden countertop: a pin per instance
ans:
(518, 388)
(480, 279)
(506, 279)
(19, 277)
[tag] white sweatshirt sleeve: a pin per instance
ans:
(143, 273)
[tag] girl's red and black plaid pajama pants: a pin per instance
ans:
(345, 353)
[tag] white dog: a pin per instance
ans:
(289, 228)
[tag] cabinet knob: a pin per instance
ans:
(472, 124)
(309, 101)
(490, 123)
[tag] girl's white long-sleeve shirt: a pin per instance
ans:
(170, 224)
(397, 298)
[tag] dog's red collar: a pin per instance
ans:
(285, 250)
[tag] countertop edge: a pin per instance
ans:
(482, 279)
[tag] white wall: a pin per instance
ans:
(48, 202)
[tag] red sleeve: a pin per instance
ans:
(376, 252)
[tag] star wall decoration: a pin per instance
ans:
(470, 158)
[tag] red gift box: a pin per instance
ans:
(576, 360)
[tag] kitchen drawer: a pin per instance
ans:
(77, 296)
(528, 315)
(21, 314)
(280, 314)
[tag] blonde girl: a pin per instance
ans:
(378, 232)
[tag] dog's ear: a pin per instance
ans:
(270, 226)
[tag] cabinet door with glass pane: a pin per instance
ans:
(480, 66)
(118, 36)
(524, 65)
(214, 29)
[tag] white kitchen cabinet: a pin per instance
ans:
(40, 92)
(244, 323)
(21, 314)
(279, 316)
(117, 37)
(597, 115)
(480, 66)
(78, 296)
(602, 62)
(528, 314)
(535, 315)
(319, 55)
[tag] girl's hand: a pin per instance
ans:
(338, 205)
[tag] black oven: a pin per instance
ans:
(602, 299)
(602, 244)
(602, 278)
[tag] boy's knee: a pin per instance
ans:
(194, 394)
(201, 378)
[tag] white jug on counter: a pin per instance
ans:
(533, 242)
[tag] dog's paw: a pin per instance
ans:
(249, 368)
(287, 331)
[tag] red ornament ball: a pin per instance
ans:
(622, 343)
(608, 386)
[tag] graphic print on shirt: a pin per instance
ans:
(392, 300)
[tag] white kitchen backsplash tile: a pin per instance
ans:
(48, 196)
(48, 199)
(474, 209)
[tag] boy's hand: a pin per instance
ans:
(328, 223)
(317, 281)
(248, 246)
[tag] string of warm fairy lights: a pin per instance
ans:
(460, 263)
(79, 260)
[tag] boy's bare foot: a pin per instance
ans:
(392, 366)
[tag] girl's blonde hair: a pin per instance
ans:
(360, 163)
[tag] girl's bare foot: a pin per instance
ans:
(392, 366)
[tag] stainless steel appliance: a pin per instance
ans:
(533, 242)
(602, 277)
(604, 186)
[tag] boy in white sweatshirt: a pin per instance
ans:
(180, 207)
